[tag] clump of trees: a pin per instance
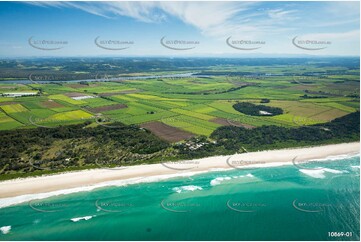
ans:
(256, 110)
(307, 96)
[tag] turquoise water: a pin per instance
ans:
(274, 203)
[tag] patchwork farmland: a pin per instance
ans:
(179, 108)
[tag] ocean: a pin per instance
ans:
(319, 200)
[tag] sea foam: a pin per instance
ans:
(218, 180)
(187, 188)
(81, 218)
(5, 229)
(320, 172)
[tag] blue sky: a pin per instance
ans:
(331, 28)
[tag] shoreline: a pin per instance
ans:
(25, 189)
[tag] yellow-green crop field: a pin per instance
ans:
(13, 108)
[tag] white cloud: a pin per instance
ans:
(215, 19)
(211, 18)
(280, 14)
(204, 16)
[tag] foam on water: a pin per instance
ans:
(5, 229)
(334, 171)
(319, 172)
(81, 218)
(187, 188)
(218, 180)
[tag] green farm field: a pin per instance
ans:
(197, 105)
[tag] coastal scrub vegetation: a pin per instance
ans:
(29, 152)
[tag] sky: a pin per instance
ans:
(224, 29)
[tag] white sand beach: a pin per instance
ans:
(94, 178)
